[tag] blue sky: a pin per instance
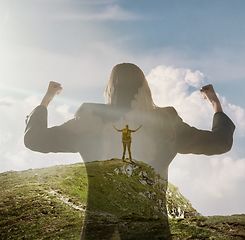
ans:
(203, 35)
(77, 43)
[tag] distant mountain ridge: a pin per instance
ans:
(49, 203)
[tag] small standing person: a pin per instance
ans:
(126, 139)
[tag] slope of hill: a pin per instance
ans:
(49, 203)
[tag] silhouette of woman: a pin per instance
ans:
(126, 140)
(163, 135)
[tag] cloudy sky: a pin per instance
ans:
(179, 45)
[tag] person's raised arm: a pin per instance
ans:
(54, 89)
(136, 129)
(209, 93)
(117, 129)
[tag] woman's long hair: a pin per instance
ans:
(127, 88)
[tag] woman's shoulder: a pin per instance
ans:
(169, 111)
(95, 108)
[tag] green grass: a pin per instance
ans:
(33, 206)
(29, 211)
(214, 227)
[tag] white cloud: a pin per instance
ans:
(99, 2)
(194, 79)
(12, 126)
(31, 102)
(14, 155)
(63, 110)
(225, 177)
(170, 84)
(111, 12)
(66, 10)
(5, 136)
(237, 114)
(211, 183)
(221, 65)
(172, 87)
(214, 185)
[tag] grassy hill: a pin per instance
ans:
(49, 203)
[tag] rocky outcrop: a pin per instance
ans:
(161, 191)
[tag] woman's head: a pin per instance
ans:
(126, 83)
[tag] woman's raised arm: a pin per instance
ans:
(209, 93)
(38, 137)
(217, 141)
(54, 89)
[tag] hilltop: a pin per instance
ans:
(49, 203)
